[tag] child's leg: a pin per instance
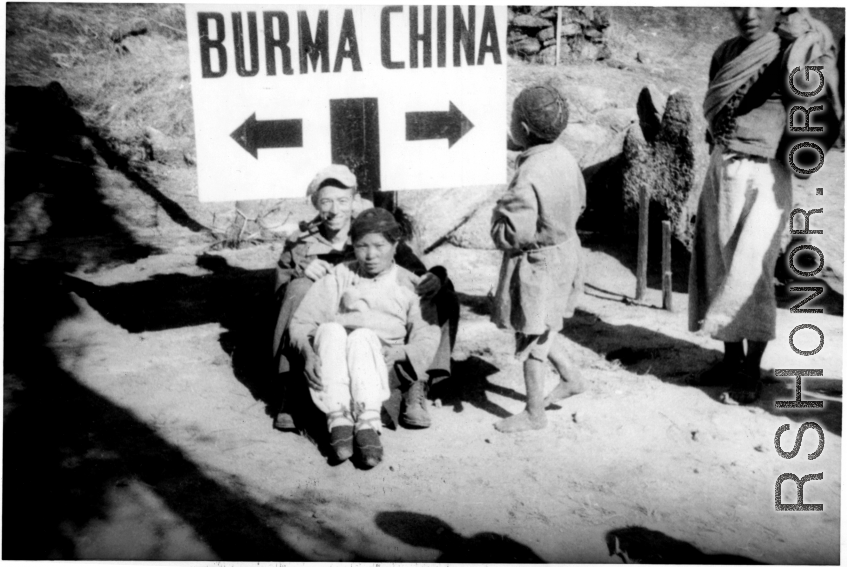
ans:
(571, 378)
(533, 416)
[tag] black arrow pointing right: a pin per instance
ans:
(436, 125)
(254, 135)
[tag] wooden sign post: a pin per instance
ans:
(667, 271)
(558, 28)
(643, 220)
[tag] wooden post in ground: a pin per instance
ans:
(643, 220)
(667, 271)
(558, 28)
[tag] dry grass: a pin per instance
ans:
(142, 81)
(149, 86)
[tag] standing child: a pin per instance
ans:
(534, 225)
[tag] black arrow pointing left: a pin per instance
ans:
(254, 135)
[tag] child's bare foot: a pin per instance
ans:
(521, 422)
(563, 390)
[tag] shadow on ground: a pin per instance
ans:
(68, 452)
(239, 300)
(65, 447)
(625, 250)
(469, 384)
(54, 208)
(679, 362)
(45, 128)
(635, 544)
(422, 530)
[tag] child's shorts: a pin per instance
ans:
(536, 347)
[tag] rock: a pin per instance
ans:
(601, 19)
(63, 60)
(589, 51)
(616, 119)
(189, 158)
(643, 57)
(593, 34)
(160, 147)
(547, 12)
(592, 99)
(546, 33)
(529, 21)
(435, 214)
(617, 64)
(650, 107)
(137, 26)
(528, 46)
(475, 234)
(570, 29)
(547, 55)
(572, 14)
(582, 140)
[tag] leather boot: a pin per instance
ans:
(414, 413)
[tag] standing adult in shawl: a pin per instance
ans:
(747, 193)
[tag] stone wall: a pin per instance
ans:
(532, 33)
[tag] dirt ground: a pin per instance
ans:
(158, 444)
(137, 408)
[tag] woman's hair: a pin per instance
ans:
(376, 220)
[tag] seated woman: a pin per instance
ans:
(323, 243)
(363, 316)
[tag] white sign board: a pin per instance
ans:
(409, 97)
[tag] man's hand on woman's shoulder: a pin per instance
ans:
(317, 269)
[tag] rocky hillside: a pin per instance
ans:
(125, 70)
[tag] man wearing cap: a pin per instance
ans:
(323, 243)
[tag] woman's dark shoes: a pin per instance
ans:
(746, 390)
(722, 373)
(369, 447)
(341, 439)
